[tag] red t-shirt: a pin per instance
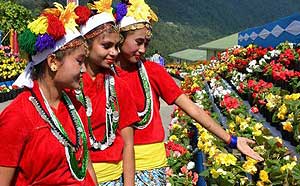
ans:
(163, 86)
(95, 90)
(28, 144)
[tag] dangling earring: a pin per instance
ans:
(53, 68)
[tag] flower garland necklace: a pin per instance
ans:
(147, 114)
(58, 131)
(112, 114)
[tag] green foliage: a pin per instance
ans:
(201, 21)
(13, 16)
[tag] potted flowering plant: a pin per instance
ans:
(10, 65)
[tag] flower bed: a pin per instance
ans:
(10, 67)
(222, 167)
(270, 84)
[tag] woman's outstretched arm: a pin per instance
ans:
(209, 123)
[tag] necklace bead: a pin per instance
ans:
(147, 114)
(112, 114)
(78, 172)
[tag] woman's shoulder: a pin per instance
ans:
(150, 65)
(18, 109)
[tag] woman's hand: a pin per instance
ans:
(243, 146)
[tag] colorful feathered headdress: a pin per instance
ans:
(51, 31)
(54, 28)
(103, 14)
(133, 12)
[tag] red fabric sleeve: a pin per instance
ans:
(14, 133)
(163, 82)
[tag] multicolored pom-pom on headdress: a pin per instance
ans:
(135, 14)
(51, 31)
(103, 14)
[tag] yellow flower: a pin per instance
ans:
(280, 116)
(243, 181)
(176, 126)
(260, 183)
(263, 175)
(294, 96)
(225, 159)
(207, 146)
(288, 166)
(287, 126)
(213, 151)
(243, 125)
(216, 173)
(205, 136)
(249, 166)
(256, 129)
(291, 116)
(173, 138)
(39, 26)
(283, 109)
(238, 119)
(257, 133)
(231, 126)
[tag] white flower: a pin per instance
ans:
(174, 120)
(190, 165)
(266, 56)
(189, 147)
(291, 45)
(169, 184)
(286, 158)
(249, 70)
(252, 63)
(262, 61)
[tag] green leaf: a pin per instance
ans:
(296, 173)
(204, 173)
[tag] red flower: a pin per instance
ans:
(83, 14)
(171, 146)
(230, 102)
(251, 83)
(184, 170)
(261, 102)
(55, 27)
(195, 179)
(254, 109)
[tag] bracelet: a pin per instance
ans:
(233, 142)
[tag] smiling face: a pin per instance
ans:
(135, 45)
(103, 50)
(70, 67)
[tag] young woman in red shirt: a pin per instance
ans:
(107, 97)
(44, 136)
(149, 82)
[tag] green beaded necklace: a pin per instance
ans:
(58, 131)
(112, 114)
(147, 114)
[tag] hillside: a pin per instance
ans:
(189, 23)
(214, 19)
